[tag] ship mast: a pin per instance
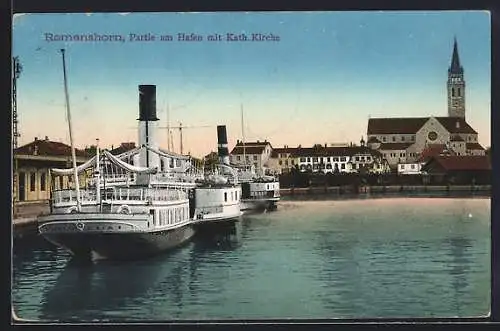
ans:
(97, 173)
(73, 154)
(243, 137)
(168, 127)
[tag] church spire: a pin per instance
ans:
(455, 67)
(456, 85)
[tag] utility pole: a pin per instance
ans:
(16, 73)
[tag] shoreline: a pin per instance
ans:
(386, 190)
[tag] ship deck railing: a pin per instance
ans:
(264, 194)
(118, 194)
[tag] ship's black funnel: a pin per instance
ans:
(147, 103)
(222, 150)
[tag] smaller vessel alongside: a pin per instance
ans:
(216, 199)
(259, 192)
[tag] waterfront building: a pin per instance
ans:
(410, 168)
(32, 164)
(282, 159)
(255, 154)
(402, 140)
(454, 169)
(124, 147)
(351, 159)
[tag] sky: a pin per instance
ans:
(318, 79)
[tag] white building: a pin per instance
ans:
(252, 153)
(339, 159)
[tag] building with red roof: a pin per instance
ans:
(32, 164)
(455, 169)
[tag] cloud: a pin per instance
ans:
(123, 14)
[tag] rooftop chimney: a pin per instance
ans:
(46, 138)
(222, 144)
(36, 138)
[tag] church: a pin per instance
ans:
(402, 140)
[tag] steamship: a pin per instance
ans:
(113, 220)
(259, 192)
(217, 198)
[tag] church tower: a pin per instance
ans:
(456, 86)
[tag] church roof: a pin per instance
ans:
(403, 125)
(455, 125)
(410, 125)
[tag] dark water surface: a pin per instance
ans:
(395, 257)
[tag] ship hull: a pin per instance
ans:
(249, 205)
(120, 246)
(111, 236)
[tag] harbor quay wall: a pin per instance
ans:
(298, 179)
(24, 216)
(352, 189)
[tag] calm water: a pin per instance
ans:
(419, 257)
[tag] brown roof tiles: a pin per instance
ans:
(47, 148)
(410, 125)
(454, 162)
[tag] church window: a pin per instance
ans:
(383, 139)
(393, 138)
(458, 91)
(402, 138)
(452, 91)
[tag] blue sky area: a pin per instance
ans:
(328, 73)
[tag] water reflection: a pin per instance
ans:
(89, 291)
(225, 236)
